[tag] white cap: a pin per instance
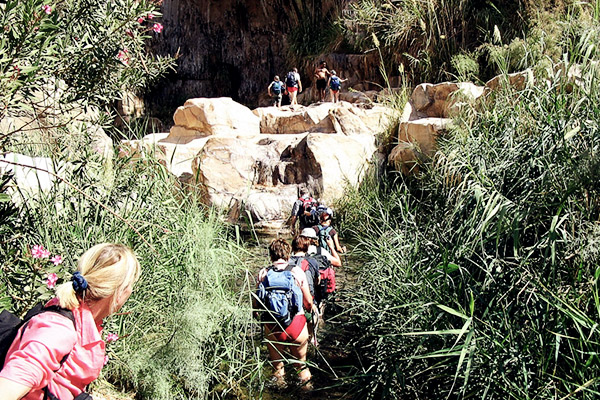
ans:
(309, 233)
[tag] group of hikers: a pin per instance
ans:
(292, 292)
(57, 349)
(292, 85)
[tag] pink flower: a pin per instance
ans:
(150, 16)
(123, 56)
(105, 359)
(47, 9)
(38, 251)
(157, 28)
(57, 260)
(141, 20)
(129, 33)
(52, 278)
(112, 337)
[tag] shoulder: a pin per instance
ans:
(54, 331)
(299, 275)
(262, 274)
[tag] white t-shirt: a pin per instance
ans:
(312, 249)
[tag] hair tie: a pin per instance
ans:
(79, 282)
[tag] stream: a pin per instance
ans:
(331, 362)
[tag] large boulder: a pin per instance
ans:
(216, 116)
(30, 175)
(423, 133)
(443, 99)
(518, 80)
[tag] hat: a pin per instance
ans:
(309, 233)
(327, 211)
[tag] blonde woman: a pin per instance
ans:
(53, 357)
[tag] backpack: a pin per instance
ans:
(10, 325)
(280, 296)
(277, 86)
(335, 83)
(323, 235)
(309, 205)
(327, 276)
(290, 79)
(310, 268)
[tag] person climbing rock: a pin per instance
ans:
(321, 75)
(275, 90)
(305, 212)
(335, 85)
(293, 85)
(284, 295)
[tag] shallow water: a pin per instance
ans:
(332, 361)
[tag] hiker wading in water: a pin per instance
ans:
(56, 357)
(285, 333)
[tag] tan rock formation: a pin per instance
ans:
(218, 116)
(439, 100)
(518, 80)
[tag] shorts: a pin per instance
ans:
(277, 98)
(292, 89)
(292, 332)
(335, 91)
(321, 84)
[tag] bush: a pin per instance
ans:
(484, 269)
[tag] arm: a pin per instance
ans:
(334, 258)
(269, 89)
(12, 390)
(338, 248)
(307, 299)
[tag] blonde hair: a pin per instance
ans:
(109, 270)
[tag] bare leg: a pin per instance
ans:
(275, 355)
(298, 351)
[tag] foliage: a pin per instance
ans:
(182, 331)
(427, 36)
(484, 268)
(60, 60)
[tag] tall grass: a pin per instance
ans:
(483, 271)
(185, 330)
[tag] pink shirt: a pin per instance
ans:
(33, 358)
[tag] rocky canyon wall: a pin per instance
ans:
(234, 48)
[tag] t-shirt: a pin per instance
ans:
(36, 354)
(305, 220)
(312, 249)
(311, 269)
(332, 232)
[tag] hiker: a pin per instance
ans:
(59, 352)
(283, 289)
(324, 231)
(321, 75)
(275, 91)
(310, 267)
(335, 85)
(326, 261)
(293, 85)
(305, 211)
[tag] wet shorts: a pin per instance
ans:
(292, 89)
(291, 333)
(321, 84)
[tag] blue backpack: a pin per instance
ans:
(290, 79)
(335, 83)
(324, 235)
(277, 86)
(280, 296)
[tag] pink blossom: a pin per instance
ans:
(150, 16)
(112, 337)
(52, 278)
(105, 359)
(47, 9)
(123, 56)
(141, 20)
(129, 33)
(57, 260)
(38, 251)
(157, 28)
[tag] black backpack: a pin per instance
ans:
(290, 79)
(10, 325)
